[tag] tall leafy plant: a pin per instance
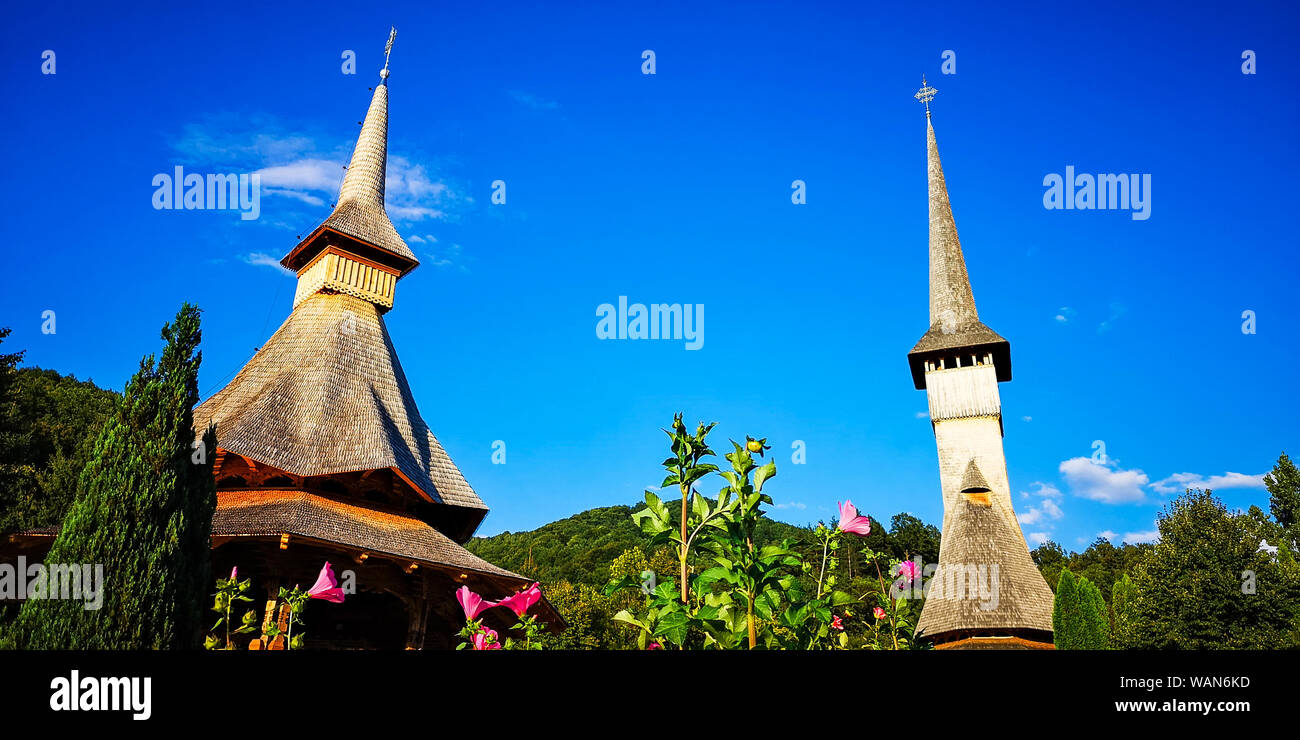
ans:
(684, 469)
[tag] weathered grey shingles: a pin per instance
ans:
(360, 211)
(326, 394)
(982, 535)
(297, 512)
(954, 322)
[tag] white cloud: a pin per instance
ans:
(310, 174)
(413, 213)
(528, 100)
(1107, 534)
(1179, 482)
(791, 505)
(1064, 314)
(1139, 538)
(261, 259)
(1046, 490)
(305, 171)
(307, 198)
(445, 257)
(1104, 481)
(923, 414)
(1037, 538)
(1047, 509)
(1116, 310)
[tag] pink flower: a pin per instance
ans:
(486, 639)
(521, 602)
(327, 586)
(836, 624)
(654, 646)
(234, 573)
(472, 603)
(851, 522)
(880, 613)
(907, 569)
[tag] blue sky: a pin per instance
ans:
(676, 188)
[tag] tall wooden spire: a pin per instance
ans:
(956, 333)
(986, 591)
(356, 250)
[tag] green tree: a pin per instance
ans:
(1208, 585)
(1051, 560)
(16, 473)
(57, 418)
(143, 512)
(1065, 612)
(1123, 598)
(1079, 620)
(1094, 627)
(1284, 493)
(910, 537)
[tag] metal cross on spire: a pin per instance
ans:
(388, 49)
(925, 95)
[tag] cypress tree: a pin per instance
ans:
(144, 512)
(1065, 612)
(1079, 615)
(1094, 624)
(1123, 602)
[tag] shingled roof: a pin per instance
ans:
(326, 394)
(306, 514)
(982, 535)
(954, 323)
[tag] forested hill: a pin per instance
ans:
(48, 425)
(579, 549)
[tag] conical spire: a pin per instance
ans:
(952, 304)
(956, 332)
(364, 182)
(360, 213)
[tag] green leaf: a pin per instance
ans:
(713, 575)
(674, 627)
(707, 613)
(626, 616)
(667, 590)
(839, 598)
(763, 474)
(618, 584)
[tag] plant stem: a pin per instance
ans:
(893, 626)
(753, 629)
(686, 492)
(826, 543)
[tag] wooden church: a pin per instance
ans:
(323, 454)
